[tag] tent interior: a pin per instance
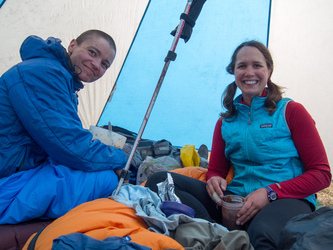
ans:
(188, 104)
(189, 101)
(298, 34)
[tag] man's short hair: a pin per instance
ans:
(96, 33)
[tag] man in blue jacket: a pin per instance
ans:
(48, 161)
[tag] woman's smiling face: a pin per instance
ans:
(251, 73)
(91, 58)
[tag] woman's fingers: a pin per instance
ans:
(215, 187)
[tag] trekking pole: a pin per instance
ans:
(171, 56)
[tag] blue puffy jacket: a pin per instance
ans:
(38, 109)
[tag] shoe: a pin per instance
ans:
(203, 163)
(203, 151)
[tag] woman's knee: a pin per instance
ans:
(155, 178)
(264, 230)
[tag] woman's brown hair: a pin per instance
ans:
(274, 91)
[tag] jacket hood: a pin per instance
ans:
(36, 47)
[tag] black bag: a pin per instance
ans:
(309, 231)
(148, 147)
(156, 149)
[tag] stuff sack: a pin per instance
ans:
(309, 231)
(189, 156)
(152, 165)
(78, 241)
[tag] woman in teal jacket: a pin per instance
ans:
(48, 161)
(273, 146)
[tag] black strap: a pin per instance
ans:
(170, 56)
(34, 239)
(125, 174)
(187, 19)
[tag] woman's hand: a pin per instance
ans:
(255, 201)
(215, 187)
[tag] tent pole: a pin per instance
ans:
(126, 173)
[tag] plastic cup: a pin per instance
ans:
(231, 204)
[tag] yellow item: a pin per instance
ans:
(189, 156)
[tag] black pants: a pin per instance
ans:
(264, 230)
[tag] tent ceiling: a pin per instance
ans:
(188, 104)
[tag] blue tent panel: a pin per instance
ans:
(189, 102)
(2, 2)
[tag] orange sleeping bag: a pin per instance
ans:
(100, 219)
(103, 218)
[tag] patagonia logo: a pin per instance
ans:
(266, 125)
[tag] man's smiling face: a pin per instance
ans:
(91, 58)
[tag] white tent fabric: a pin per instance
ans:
(300, 34)
(300, 40)
(66, 20)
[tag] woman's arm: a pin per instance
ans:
(218, 163)
(312, 153)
